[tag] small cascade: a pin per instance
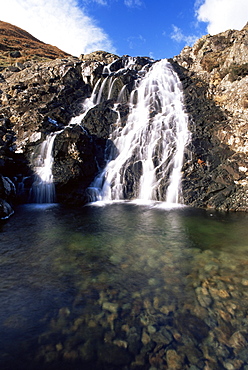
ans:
(43, 190)
(151, 144)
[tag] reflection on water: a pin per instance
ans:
(123, 286)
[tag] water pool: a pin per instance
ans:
(123, 286)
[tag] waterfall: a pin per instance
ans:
(43, 190)
(145, 158)
(151, 145)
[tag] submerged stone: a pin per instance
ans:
(114, 355)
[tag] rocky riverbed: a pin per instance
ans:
(201, 325)
(148, 290)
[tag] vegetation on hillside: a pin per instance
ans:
(18, 46)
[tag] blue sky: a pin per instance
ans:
(155, 28)
(146, 28)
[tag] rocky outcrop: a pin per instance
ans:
(214, 73)
(43, 98)
(75, 164)
(39, 99)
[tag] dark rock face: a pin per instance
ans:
(36, 101)
(216, 167)
(99, 120)
(74, 163)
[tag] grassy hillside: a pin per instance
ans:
(18, 46)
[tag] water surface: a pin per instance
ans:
(123, 286)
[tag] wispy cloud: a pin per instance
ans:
(151, 55)
(128, 3)
(222, 15)
(135, 41)
(100, 2)
(178, 36)
(58, 22)
(133, 3)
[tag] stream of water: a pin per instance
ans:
(43, 189)
(151, 145)
(123, 286)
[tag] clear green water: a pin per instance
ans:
(123, 287)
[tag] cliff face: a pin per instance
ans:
(214, 73)
(41, 97)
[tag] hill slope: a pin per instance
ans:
(17, 45)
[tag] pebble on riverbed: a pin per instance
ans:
(155, 328)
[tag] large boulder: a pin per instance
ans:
(75, 164)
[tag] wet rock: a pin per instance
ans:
(203, 297)
(237, 340)
(114, 355)
(7, 188)
(64, 312)
(244, 282)
(242, 354)
(159, 338)
(110, 306)
(59, 347)
(120, 343)
(87, 351)
(156, 359)
(145, 339)
(140, 362)
(75, 163)
(174, 361)
(193, 354)
(151, 329)
(7, 197)
(192, 326)
(134, 342)
(99, 119)
(233, 364)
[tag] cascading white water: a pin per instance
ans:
(150, 147)
(43, 190)
(152, 143)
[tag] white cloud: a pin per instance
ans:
(58, 22)
(178, 36)
(132, 3)
(222, 15)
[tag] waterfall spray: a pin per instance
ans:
(43, 190)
